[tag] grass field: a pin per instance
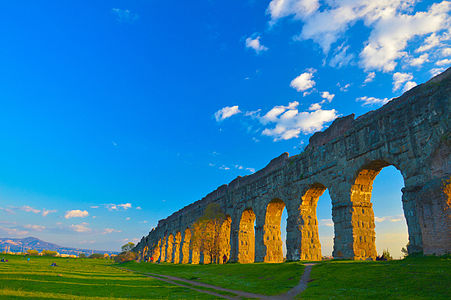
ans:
(412, 278)
(259, 278)
(81, 279)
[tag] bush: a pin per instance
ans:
(126, 256)
(96, 255)
(385, 255)
(33, 252)
(82, 255)
(49, 253)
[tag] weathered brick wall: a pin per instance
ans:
(411, 132)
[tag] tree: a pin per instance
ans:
(82, 255)
(126, 256)
(206, 232)
(33, 252)
(96, 255)
(49, 253)
(404, 250)
(127, 247)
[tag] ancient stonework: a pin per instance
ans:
(411, 132)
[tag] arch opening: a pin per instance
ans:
(163, 250)
(272, 237)
(371, 197)
(246, 237)
(156, 251)
(177, 240)
(185, 246)
(169, 248)
(310, 244)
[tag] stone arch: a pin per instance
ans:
(177, 240)
(163, 249)
(169, 248)
(185, 246)
(246, 237)
(310, 245)
(271, 231)
(156, 251)
(362, 218)
(224, 239)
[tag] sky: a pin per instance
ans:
(115, 114)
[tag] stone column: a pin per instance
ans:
(410, 195)
(235, 228)
(293, 237)
(163, 249)
(260, 248)
(434, 212)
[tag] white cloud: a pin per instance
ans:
(299, 8)
(223, 167)
(443, 62)
(328, 96)
(392, 25)
(83, 227)
(303, 82)
(226, 112)
(252, 170)
(314, 106)
(127, 219)
(30, 209)
(124, 15)
(399, 79)
(379, 219)
(436, 71)
(370, 77)
(45, 212)
(138, 208)
(372, 100)
(418, 61)
(446, 52)
(289, 122)
(409, 85)
(76, 213)
(110, 230)
(255, 44)
(125, 206)
(34, 227)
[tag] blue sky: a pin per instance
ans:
(114, 114)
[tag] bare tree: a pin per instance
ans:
(206, 233)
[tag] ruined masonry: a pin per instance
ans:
(411, 132)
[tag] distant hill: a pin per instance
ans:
(17, 245)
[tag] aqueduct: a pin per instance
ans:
(411, 132)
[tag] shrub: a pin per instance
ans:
(49, 253)
(126, 256)
(96, 255)
(386, 255)
(82, 255)
(33, 252)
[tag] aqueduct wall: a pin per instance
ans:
(411, 132)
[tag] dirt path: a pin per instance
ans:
(299, 288)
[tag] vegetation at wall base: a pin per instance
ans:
(415, 277)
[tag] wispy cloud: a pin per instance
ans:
(124, 15)
(112, 206)
(110, 230)
(83, 227)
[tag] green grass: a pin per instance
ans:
(81, 279)
(259, 278)
(411, 278)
